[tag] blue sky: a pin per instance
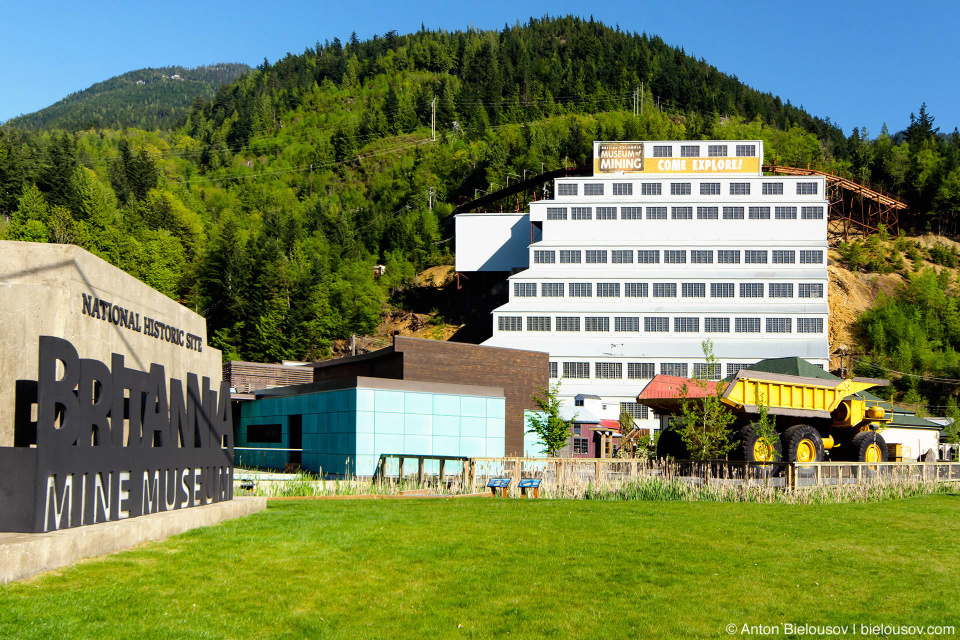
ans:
(859, 63)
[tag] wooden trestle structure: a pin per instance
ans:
(854, 208)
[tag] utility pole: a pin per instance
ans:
(636, 100)
(641, 97)
(433, 118)
(311, 180)
(430, 199)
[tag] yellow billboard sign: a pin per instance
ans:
(628, 157)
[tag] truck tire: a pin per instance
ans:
(868, 446)
(751, 449)
(671, 445)
(802, 444)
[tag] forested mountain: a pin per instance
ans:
(146, 99)
(267, 207)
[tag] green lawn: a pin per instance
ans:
(484, 568)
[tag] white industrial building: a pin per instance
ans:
(624, 274)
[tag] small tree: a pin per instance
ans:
(552, 429)
(706, 421)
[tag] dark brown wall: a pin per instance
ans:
(379, 364)
(520, 373)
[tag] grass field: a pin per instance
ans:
(485, 568)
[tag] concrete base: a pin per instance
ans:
(23, 555)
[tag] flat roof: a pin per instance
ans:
(391, 384)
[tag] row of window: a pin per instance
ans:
(682, 188)
(677, 256)
(668, 289)
(658, 324)
(644, 370)
(713, 151)
(685, 213)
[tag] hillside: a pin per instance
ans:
(145, 98)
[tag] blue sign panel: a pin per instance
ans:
(530, 483)
(499, 483)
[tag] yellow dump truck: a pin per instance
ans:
(815, 416)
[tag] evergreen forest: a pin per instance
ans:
(266, 204)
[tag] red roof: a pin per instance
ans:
(663, 392)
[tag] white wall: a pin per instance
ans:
(492, 241)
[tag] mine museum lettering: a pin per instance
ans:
(115, 442)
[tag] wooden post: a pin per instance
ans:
(473, 473)
(818, 474)
(443, 470)
(383, 468)
(596, 473)
(400, 469)
(420, 474)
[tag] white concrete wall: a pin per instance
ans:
(492, 241)
(41, 287)
(917, 440)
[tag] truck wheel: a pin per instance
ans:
(868, 446)
(671, 445)
(751, 448)
(802, 444)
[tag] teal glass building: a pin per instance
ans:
(344, 426)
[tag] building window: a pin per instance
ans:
(679, 188)
(751, 289)
(580, 289)
(566, 188)
(780, 290)
(581, 446)
(785, 213)
(593, 189)
(809, 325)
(806, 188)
(664, 290)
(640, 370)
(662, 151)
(606, 213)
(734, 367)
(681, 213)
(772, 188)
(635, 290)
(728, 256)
(608, 370)
(596, 323)
(551, 289)
(686, 325)
(581, 213)
(746, 150)
(623, 188)
(689, 151)
(693, 290)
(648, 256)
(754, 257)
(556, 213)
(656, 213)
(569, 256)
(709, 188)
(265, 433)
(525, 289)
(733, 213)
(626, 323)
(553, 369)
(596, 256)
(698, 256)
(565, 323)
(721, 289)
(544, 257)
(678, 369)
(650, 189)
(716, 150)
(635, 410)
(576, 369)
(811, 257)
(656, 324)
(621, 256)
(739, 188)
(509, 323)
(810, 290)
(811, 213)
(746, 325)
(706, 371)
(631, 213)
(716, 325)
(708, 213)
(784, 257)
(538, 323)
(759, 213)
(674, 256)
(779, 325)
(608, 289)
